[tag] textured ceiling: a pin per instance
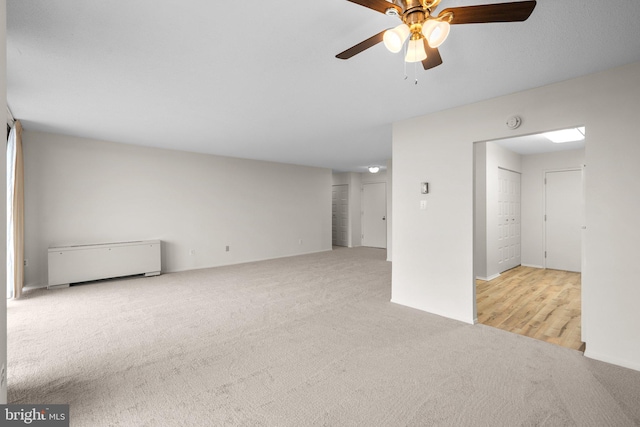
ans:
(261, 81)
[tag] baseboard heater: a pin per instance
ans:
(85, 263)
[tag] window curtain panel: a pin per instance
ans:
(15, 213)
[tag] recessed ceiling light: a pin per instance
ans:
(565, 135)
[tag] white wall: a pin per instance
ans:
(433, 249)
(3, 196)
(534, 167)
(81, 191)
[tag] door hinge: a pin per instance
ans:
(545, 181)
(362, 236)
(545, 254)
(545, 217)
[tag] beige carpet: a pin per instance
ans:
(309, 340)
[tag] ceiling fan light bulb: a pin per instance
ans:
(415, 51)
(394, 39)
(436, 32)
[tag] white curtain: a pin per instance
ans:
(15, 213)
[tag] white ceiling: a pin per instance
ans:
(259, 79)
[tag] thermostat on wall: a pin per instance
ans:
(513, 122)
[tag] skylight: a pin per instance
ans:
(566, 135)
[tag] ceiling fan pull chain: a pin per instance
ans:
(405, 62)
(415, 72)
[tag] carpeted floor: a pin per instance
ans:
(308, 340)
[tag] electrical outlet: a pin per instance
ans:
(299, 241)
(192, 252)
(227, 249)
(26, 262)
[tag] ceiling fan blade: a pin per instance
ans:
(364, 45)
(378, 5)
(500, 12)
(433, 56)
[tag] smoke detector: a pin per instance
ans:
(514, 122)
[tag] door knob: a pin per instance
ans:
(384, 218)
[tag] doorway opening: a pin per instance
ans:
(528, 237)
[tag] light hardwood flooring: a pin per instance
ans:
(539, 303)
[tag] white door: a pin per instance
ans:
(563, 202)
(340, 215)
(374, 215)
(508, 219)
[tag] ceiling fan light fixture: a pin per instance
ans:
(436, 32)
(374, 169)
(394, 39)
(415, 51)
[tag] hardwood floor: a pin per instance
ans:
(538, 303)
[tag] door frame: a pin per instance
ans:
(544, 207)
(385, 210)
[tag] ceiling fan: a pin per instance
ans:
(425, 31)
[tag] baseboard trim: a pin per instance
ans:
(486, 279)
(179, 270)
(467, 321)
(612, 360)
(532, 265)
(32, 286)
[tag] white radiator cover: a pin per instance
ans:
(74, 264)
